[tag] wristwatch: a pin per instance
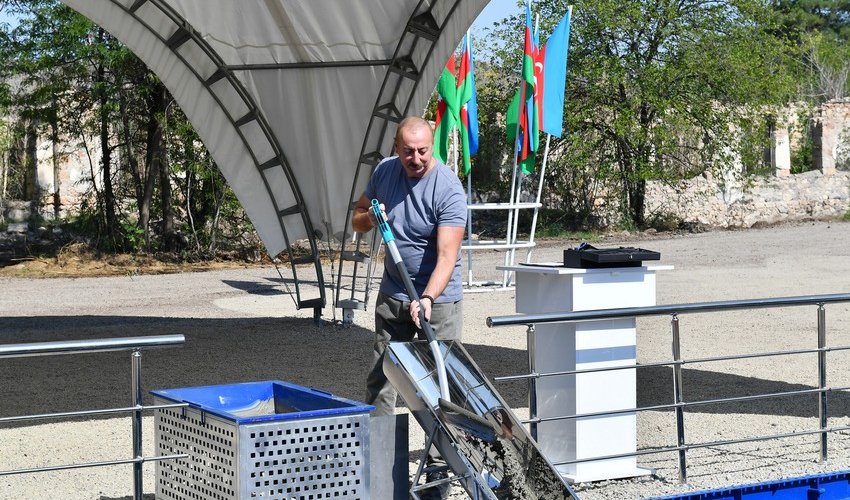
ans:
(426, 296)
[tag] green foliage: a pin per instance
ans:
(655, 89)
(552, 224)
(799, 17)
(821, 30)
(821, 69)
(664, 221)
(754, 145)
(803, 154)
(132, 236)
(72, 76)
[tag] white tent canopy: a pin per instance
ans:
(293, 98)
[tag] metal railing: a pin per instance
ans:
(133, 344)
(679, 404)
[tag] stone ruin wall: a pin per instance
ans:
(767, 200)
(78, 163)
(727, 202)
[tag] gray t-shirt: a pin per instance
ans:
(415, 208)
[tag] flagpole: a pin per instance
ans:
(515, 229)
(506, 274)
(469, 199)
(516, 215)
(516, 220)
(511, 216)
(469, 227)
(511, 212)
(454, 151)
(537, 199)
(516, 185)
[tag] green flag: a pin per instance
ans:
(447, 110)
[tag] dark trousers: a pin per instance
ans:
(393, 324)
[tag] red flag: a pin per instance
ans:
(539, 83)
(529, 123)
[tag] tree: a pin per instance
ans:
(814, 16)
(79, 79)
(821, 28)
(647, 77)
(57, 72)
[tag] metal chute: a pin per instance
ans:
(485, 445)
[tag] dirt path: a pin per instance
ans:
(240, 325)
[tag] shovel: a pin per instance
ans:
(392, 249)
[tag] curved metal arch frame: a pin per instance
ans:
(420, 26)
(184, 33)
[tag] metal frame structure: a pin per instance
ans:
(413, 53)
(220, 89)
(133, 344)
(510, 244)
(222, 82)
(679, 404)
(404, 75)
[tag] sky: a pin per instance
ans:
(496, 10)
(5, 18)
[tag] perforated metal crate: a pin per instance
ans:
(271, 440)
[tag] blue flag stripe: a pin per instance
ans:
(472, 105)
(555, 77)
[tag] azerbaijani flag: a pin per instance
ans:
(447, 113)
(554, 57)
(467, 98)
(523, 108)
(536, 102)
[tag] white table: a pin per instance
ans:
(555, 347)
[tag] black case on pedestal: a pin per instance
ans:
(588, 257)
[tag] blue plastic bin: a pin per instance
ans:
(826, 486)
(269, 439)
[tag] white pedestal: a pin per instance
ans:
(559, 347)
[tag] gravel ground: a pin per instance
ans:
(240, 325)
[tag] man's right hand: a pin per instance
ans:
(426, 306)
(363, 219)
(372, 218)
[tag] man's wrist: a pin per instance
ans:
(426, 296)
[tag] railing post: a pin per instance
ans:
(678, 398)
(136, 392)
(822, 409)
(532, 381)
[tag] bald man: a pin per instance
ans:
(426, 208)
